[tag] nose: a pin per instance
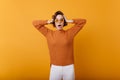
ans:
(59, 21)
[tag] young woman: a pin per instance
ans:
(60, 44)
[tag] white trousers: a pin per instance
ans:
(62, 72)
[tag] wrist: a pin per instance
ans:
(70, 21)
(49, 21)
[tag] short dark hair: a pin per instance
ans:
(54, 17)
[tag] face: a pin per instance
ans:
(59, 22)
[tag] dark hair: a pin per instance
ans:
(54, 17)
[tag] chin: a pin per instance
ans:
(58, 28)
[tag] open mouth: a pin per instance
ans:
(59, 25)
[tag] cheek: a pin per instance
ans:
(62, 23)
(55, 23)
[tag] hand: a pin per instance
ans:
(50, 21)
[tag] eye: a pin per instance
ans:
(61, 20)
(56, 20)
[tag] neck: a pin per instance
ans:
(60, 29)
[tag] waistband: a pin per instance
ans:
(71, 65)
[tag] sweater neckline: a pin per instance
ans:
(60, 30)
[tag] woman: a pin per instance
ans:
(60, 44)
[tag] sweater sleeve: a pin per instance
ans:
(79, 23)
(40, 25)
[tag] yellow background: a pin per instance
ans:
(24, 53)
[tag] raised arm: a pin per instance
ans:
(40, 25)
(79, 23)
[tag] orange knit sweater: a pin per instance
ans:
(60, 42)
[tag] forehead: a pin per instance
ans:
(59, 16)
